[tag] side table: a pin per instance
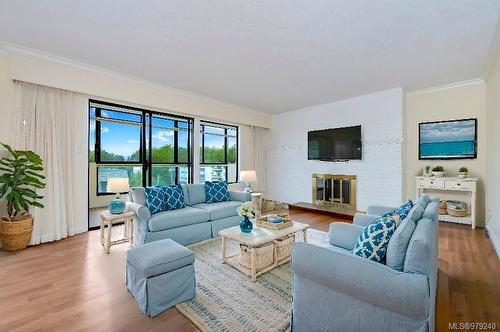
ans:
(107, 221)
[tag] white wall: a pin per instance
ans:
(379, 179)
(493, 185)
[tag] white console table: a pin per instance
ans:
(452, 184)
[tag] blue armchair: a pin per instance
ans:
(335, 290)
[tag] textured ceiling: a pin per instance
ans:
(269, 55)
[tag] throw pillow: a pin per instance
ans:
(216, 192)
(155, 199)
(401, 211)
(373, 240)
(404, 209)
(174, 197)
(398, 244)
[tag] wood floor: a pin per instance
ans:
(71, 285)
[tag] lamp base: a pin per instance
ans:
(117, 206)
(248, 188)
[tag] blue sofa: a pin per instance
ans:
(335, 290)
(196, 222)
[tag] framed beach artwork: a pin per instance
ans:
(454, 139)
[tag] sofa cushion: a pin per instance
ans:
(138, 195)
(174, 197)
(220, 210)
(196, 193)
(155, 199)
(177, 218)
(398, 244)
(416, 212)
(159, 257)
(373, 240)
(216, 192)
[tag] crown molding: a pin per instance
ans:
(446, 86)
(11, 48)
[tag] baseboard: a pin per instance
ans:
(495, 239)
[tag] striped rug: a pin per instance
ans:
(227, 300)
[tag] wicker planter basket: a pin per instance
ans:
(457, 213)
(283, 247)
(15, 233)
(264, 256)
(442, 207)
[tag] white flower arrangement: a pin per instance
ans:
(247, 209)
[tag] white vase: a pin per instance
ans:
(462, 175)
(438, 174)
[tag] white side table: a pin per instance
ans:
(257, 201)
(107, 221)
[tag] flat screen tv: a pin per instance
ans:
(335, 144)
(454, 139)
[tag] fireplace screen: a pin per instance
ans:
(335, 190)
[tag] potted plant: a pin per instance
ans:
(19, 179)
(427, 171)
(463, 172)
(438, 171)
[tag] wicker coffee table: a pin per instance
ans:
(259, 240)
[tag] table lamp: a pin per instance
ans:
(248, 177)
(117, 185)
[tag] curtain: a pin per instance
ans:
(56, 125)
(259, 158)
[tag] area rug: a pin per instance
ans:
(227, 300)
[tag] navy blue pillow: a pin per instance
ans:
(174, 197)
(404, 209)
(216, 192)
(155, 199)
(401, 211)
(374, 238)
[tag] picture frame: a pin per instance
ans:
(448, 139)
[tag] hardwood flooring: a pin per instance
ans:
(71, 285)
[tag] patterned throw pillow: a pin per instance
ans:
(155, 199)
(404, 209)
(401, 211)
(373, 240)
(216, 191)
(174, 197)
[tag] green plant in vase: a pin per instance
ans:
(438, 171)
(463, 172)
(21, 177)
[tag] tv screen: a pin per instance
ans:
(335, 144)
(455, 139)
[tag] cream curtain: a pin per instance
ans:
(56, 130)
(259, 158)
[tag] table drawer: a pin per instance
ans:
(458, 185)
(432, 183)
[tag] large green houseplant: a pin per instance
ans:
(19, 179)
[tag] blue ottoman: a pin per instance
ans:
(160, 274)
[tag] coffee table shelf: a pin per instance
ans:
(258, 237)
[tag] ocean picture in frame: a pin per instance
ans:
(454, 139)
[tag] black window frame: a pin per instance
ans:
(145, 150)
(202, 146)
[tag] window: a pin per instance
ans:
(218, 152)
(149, 148)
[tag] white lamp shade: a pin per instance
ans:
(117, 185)
(248, 176)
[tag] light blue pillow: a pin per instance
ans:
(174, 197)
(155, 199)
(398, 244)
(373, 240)
(216, 192)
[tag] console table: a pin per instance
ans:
(444, 184)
